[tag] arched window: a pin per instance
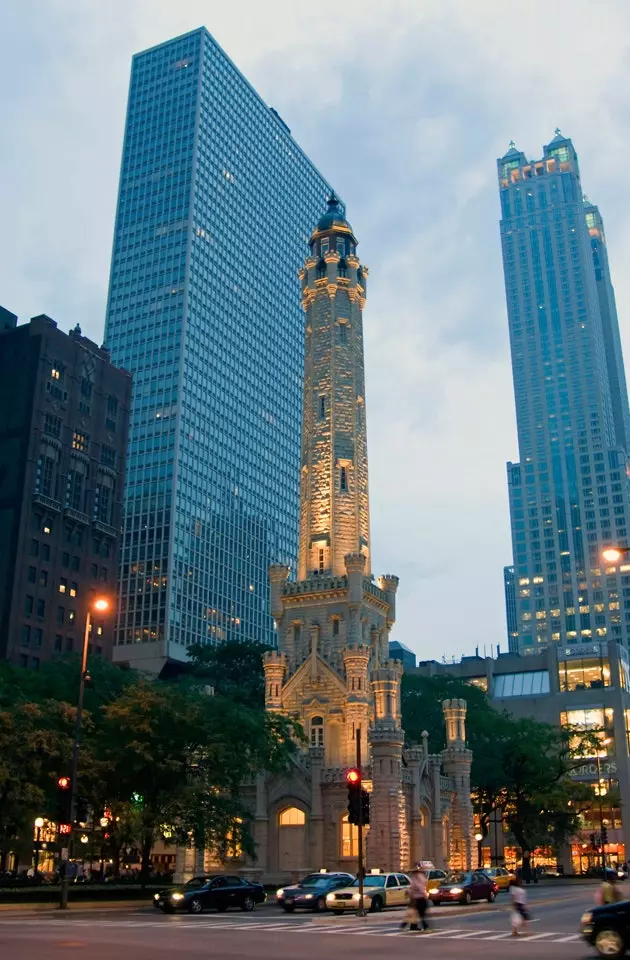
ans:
(317, 731)
(349, 838)
(342, 269)
(321, 269)
(292, 817)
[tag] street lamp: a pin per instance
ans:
(600, 793)
(614, 553)
(38, 824)
(97, 605)
(479, 839)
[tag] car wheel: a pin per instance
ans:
(288, 909)
(609, 943)
(377, 904)
(320, 905)
(492, 896)
(196, 906)
(248, 904)
(467, 898)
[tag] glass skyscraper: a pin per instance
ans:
(569, 494)
(215, 209)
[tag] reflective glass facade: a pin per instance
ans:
(216, 205)
(569, 494)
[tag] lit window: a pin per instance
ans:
(73, 590)
(55, 374)
(529, 684)
(63, 585)
(292, 817)
(349, 838)
(317, 731)
(47, 530)
(80, 442)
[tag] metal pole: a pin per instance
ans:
(361, 910)
(37, 849)
(601, 812)
(63, 897)
(496, 842)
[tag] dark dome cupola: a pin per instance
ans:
(333, 232)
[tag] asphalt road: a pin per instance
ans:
(480, 931)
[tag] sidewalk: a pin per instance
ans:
(76, 905)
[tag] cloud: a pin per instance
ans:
(404, 106)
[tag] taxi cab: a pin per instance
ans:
(501, 876)
(380, 890)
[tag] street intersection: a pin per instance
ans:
(475, 932)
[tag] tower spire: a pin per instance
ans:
(334, 503)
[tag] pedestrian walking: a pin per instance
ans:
(519, 915)
(609, 891)
(418, 903)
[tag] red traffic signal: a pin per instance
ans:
(63, 783)
(353, 775)
(65, 828)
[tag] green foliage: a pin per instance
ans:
(184, 753)
(521, 768)
(233, 669)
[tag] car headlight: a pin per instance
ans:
(433, 891)
(456, 890)
(357, 896)
(177, 896)
(156, 896)
(587, 917)
(330, 897)
(309, 896)
(280, 892)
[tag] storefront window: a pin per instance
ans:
(586, 674)
(595, 720)
(349, 838)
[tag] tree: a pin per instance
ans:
(233, 669)
(184, 755)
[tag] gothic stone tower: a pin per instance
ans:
(457, 759)
(333, 622)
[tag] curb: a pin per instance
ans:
(51, 907)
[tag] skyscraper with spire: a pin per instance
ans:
(569, 492)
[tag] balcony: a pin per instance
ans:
(104, 528)
(77, 516)
(47, 502)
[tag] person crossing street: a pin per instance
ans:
(418, 899)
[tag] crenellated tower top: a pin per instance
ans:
(334, 504)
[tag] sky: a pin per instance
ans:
(404, 105)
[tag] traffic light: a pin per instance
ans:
(365, 808)
(353, 779)
(63, 803)
(83, 813)
(604, 834)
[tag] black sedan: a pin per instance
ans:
(607, 928)
(310, 893)
(218, 892)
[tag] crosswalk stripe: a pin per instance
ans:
(500, 936)
(464, 936)
(575, 936)
(541, 936)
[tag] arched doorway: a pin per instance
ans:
(291, 839)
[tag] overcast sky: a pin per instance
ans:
(404, 105)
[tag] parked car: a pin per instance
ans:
(435, 877)
(218, 892)
(379, 890)
(607, 928)
(501, 876)
(464, 888)
(310, 893)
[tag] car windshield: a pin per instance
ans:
(370, 882)
(196, 883)
(456, 878)
(318, 882)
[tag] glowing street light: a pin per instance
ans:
(479, 838)
(614, 554)
(98, 604)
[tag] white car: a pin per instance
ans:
(379, 890)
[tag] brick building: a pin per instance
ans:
(64, 413)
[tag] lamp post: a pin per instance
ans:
(600, 793)
(38, 824)
(98, 605)
(479, 839)
(614, 553)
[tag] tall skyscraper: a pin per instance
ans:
(509, 586)
(64, 414)
(214, 214)
(570, 493)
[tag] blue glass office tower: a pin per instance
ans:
(569, 494)
(215, 209)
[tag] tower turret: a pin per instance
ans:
(334, 509)
(275, 666)
(457, 760)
